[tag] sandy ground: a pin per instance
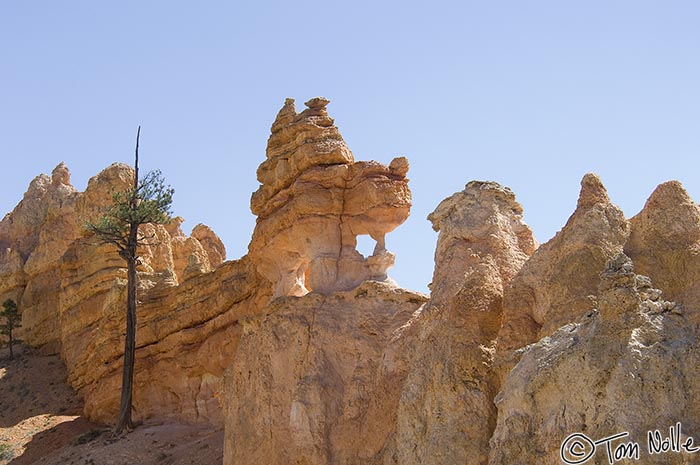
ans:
(41, 423)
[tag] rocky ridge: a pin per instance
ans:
(71, 289)
(308, 353)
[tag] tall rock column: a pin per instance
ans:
(308, 384)
(446, 412)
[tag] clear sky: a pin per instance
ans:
(530, 94)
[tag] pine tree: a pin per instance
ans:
(12, 322)
(148, 200)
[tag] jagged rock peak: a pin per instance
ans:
(592, 191)
(559, 282)
(672, 213)
(668, 194)
(316, 107)
(115, 176)
(212, 244)
(285, 116)
(664, 243)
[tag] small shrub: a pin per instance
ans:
(6, 452)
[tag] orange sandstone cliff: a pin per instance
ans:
(308, 353)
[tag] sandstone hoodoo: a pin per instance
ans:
(445, 413)
(306, 352)
(314, 201)
(318, 351)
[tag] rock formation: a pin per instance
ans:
(71, 291)
(446, 413)
(32, 239)
(558, 283)
(315, 200)
(318, 357)
(310, 354)
(307, 372)
(627, 367)
(664, 244)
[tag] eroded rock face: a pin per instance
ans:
(33, 237)
(315, 200)
(327, 361)
(446, 413)
(627, 367)
(320, 358)
(559, 282)
(665, 245)
(71, 291)
(186, 337)
(308, 376)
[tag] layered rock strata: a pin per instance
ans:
(315, 200)
(71, 291)
(327, 361)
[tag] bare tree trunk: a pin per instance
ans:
(12, 355)
(129, 253)
(125, 423)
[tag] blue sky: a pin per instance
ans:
(530, 94)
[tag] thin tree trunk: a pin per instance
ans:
(125, 422)
(129, 254)
(12, 355)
